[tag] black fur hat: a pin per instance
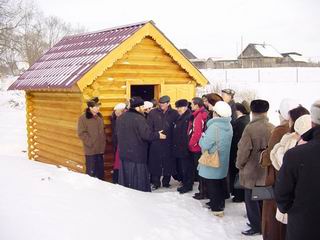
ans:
(259, 106)
(182, 103)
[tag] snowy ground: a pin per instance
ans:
(39, 201)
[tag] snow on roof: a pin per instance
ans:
(298, 58)
(267, 50)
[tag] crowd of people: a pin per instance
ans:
(229, 148)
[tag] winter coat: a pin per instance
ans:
(232, 105)
(161, 159)
(254, 140)
(297, 188)
(287, 142)
(272, 229)
(91, 132)
(133, 134)
(275, 138)
(238, 128)
(218, 136)
(180, 136)
(113, 120)
(196, 128)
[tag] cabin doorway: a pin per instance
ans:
(146, 92)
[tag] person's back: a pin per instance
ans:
(298, 188)
(131, 144)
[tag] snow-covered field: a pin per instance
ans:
(272, 84)
(40, 201)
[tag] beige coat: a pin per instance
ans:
(253, 141)
(91, 132)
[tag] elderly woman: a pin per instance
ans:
(217, 137)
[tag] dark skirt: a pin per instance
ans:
(134, 175)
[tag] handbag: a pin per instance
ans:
(262, 193)
(211, 160)
(237, 184)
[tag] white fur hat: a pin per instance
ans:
(120, 106)
(302, 124)
(147, 104)
(286, 105)
(222, 109)
(315, 112)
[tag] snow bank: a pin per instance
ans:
(45, 202)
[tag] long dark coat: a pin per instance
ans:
(133, 135)
(180, 139)
(297, 188)
(161, 160)
(238, 128)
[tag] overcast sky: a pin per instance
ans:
(208, 28)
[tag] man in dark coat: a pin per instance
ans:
(133, 135)
(243, 118)
(118, 110)
(91, 132)
(297, 187)
(161, 160)
(180, 142)
(228, 95)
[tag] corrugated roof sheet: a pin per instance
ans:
(67, 61)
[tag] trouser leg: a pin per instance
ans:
(253, 210)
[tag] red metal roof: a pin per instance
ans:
(67, 61)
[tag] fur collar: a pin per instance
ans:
(89, 115)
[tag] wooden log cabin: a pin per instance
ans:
(113, 64)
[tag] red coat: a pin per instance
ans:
(196, 128)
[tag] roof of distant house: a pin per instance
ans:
(266, 50)
(188, 54)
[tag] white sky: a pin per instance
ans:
(208, 28)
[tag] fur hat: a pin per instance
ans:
(147, 104)
(136, 102)
(286, 105)
(182, 103)
(259, 106)
(93, 102)
(302, 124)
(222, 109)
(164, 99)
(120, 106)
(315, 112)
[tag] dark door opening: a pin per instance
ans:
(146, 92)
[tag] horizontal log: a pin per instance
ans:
(71, 133)
(55, 95)
(56, 116)
(48, 158)
(78, 150)
(59, 152)
(60, 123)
(58, 137)
(70, 110)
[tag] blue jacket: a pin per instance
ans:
(218, 135)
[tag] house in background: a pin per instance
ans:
(199, 63)
(259, 55)
(114, 64)
(294, 57)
